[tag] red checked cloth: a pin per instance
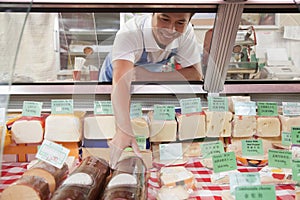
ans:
(12, 171)
(210, 191)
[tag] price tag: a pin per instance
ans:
(279, 158)
(224, 162)
(252, 148)
(257, 192)
(296, 170)
(219, 104)
(267, 109)
(103, 108)
(295, 132)
(164, 112)
(52, 153)
(64, 106)
(243, 179)
(141, 141)
(190, 105)
(245, 108)
(290, 108)
(211, 148)
(135, 110)
(286, 138)
(171, 151)
(32, 108)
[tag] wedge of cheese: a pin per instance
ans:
(99, 127)
(140, 127)
(28, 129)
(218, 124)
(191, 126)
(64, 127)
(178, 175)
(268, 127)
(288, 122)
(243, 126)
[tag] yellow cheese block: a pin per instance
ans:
(268, 127)
(218, 124)
(288, 122)
(244, 126)
(191, 126)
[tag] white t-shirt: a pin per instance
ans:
(131, 38)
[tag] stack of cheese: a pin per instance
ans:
(64, 127)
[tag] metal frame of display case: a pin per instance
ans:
(222, 87)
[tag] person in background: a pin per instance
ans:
(140, 50)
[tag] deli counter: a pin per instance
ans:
(51, 55)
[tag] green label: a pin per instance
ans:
(279, 158)
(53, 153)
(245, 108)
(243, 179)
(211, 148)
(164, 112)
(172, 151)
(103, 108)
(135, 110)
(252, 148)
(64, 106)
(224, 162)
(32, 108)
(295, 132)
(267, 109)
(286, 138)
(257, 192)
(219, 104)
(290, 108)
(296, 170)
(141, 141)
(190, 105)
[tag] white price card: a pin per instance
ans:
(172, 151)
(52, 153)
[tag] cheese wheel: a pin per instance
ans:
(53, 175)
(243, 126)
(27, 188)
(87, 181)
(218, 124)
(63, 128)
(191, 126)
(268, 127)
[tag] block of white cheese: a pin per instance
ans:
(218, 124)
(288, 122)
(243, 126)
(163, 131)
(268, 127)
(28, 129)
(233, 99)
(140, 127)
(99, 127)
(64, 127)
(191, 126)
(104, 127)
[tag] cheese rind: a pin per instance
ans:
(218, 124)
(268, 127)
(191, 126)
(243, 126)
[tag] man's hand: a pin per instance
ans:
(120, 141)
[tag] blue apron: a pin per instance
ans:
(106, 72)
